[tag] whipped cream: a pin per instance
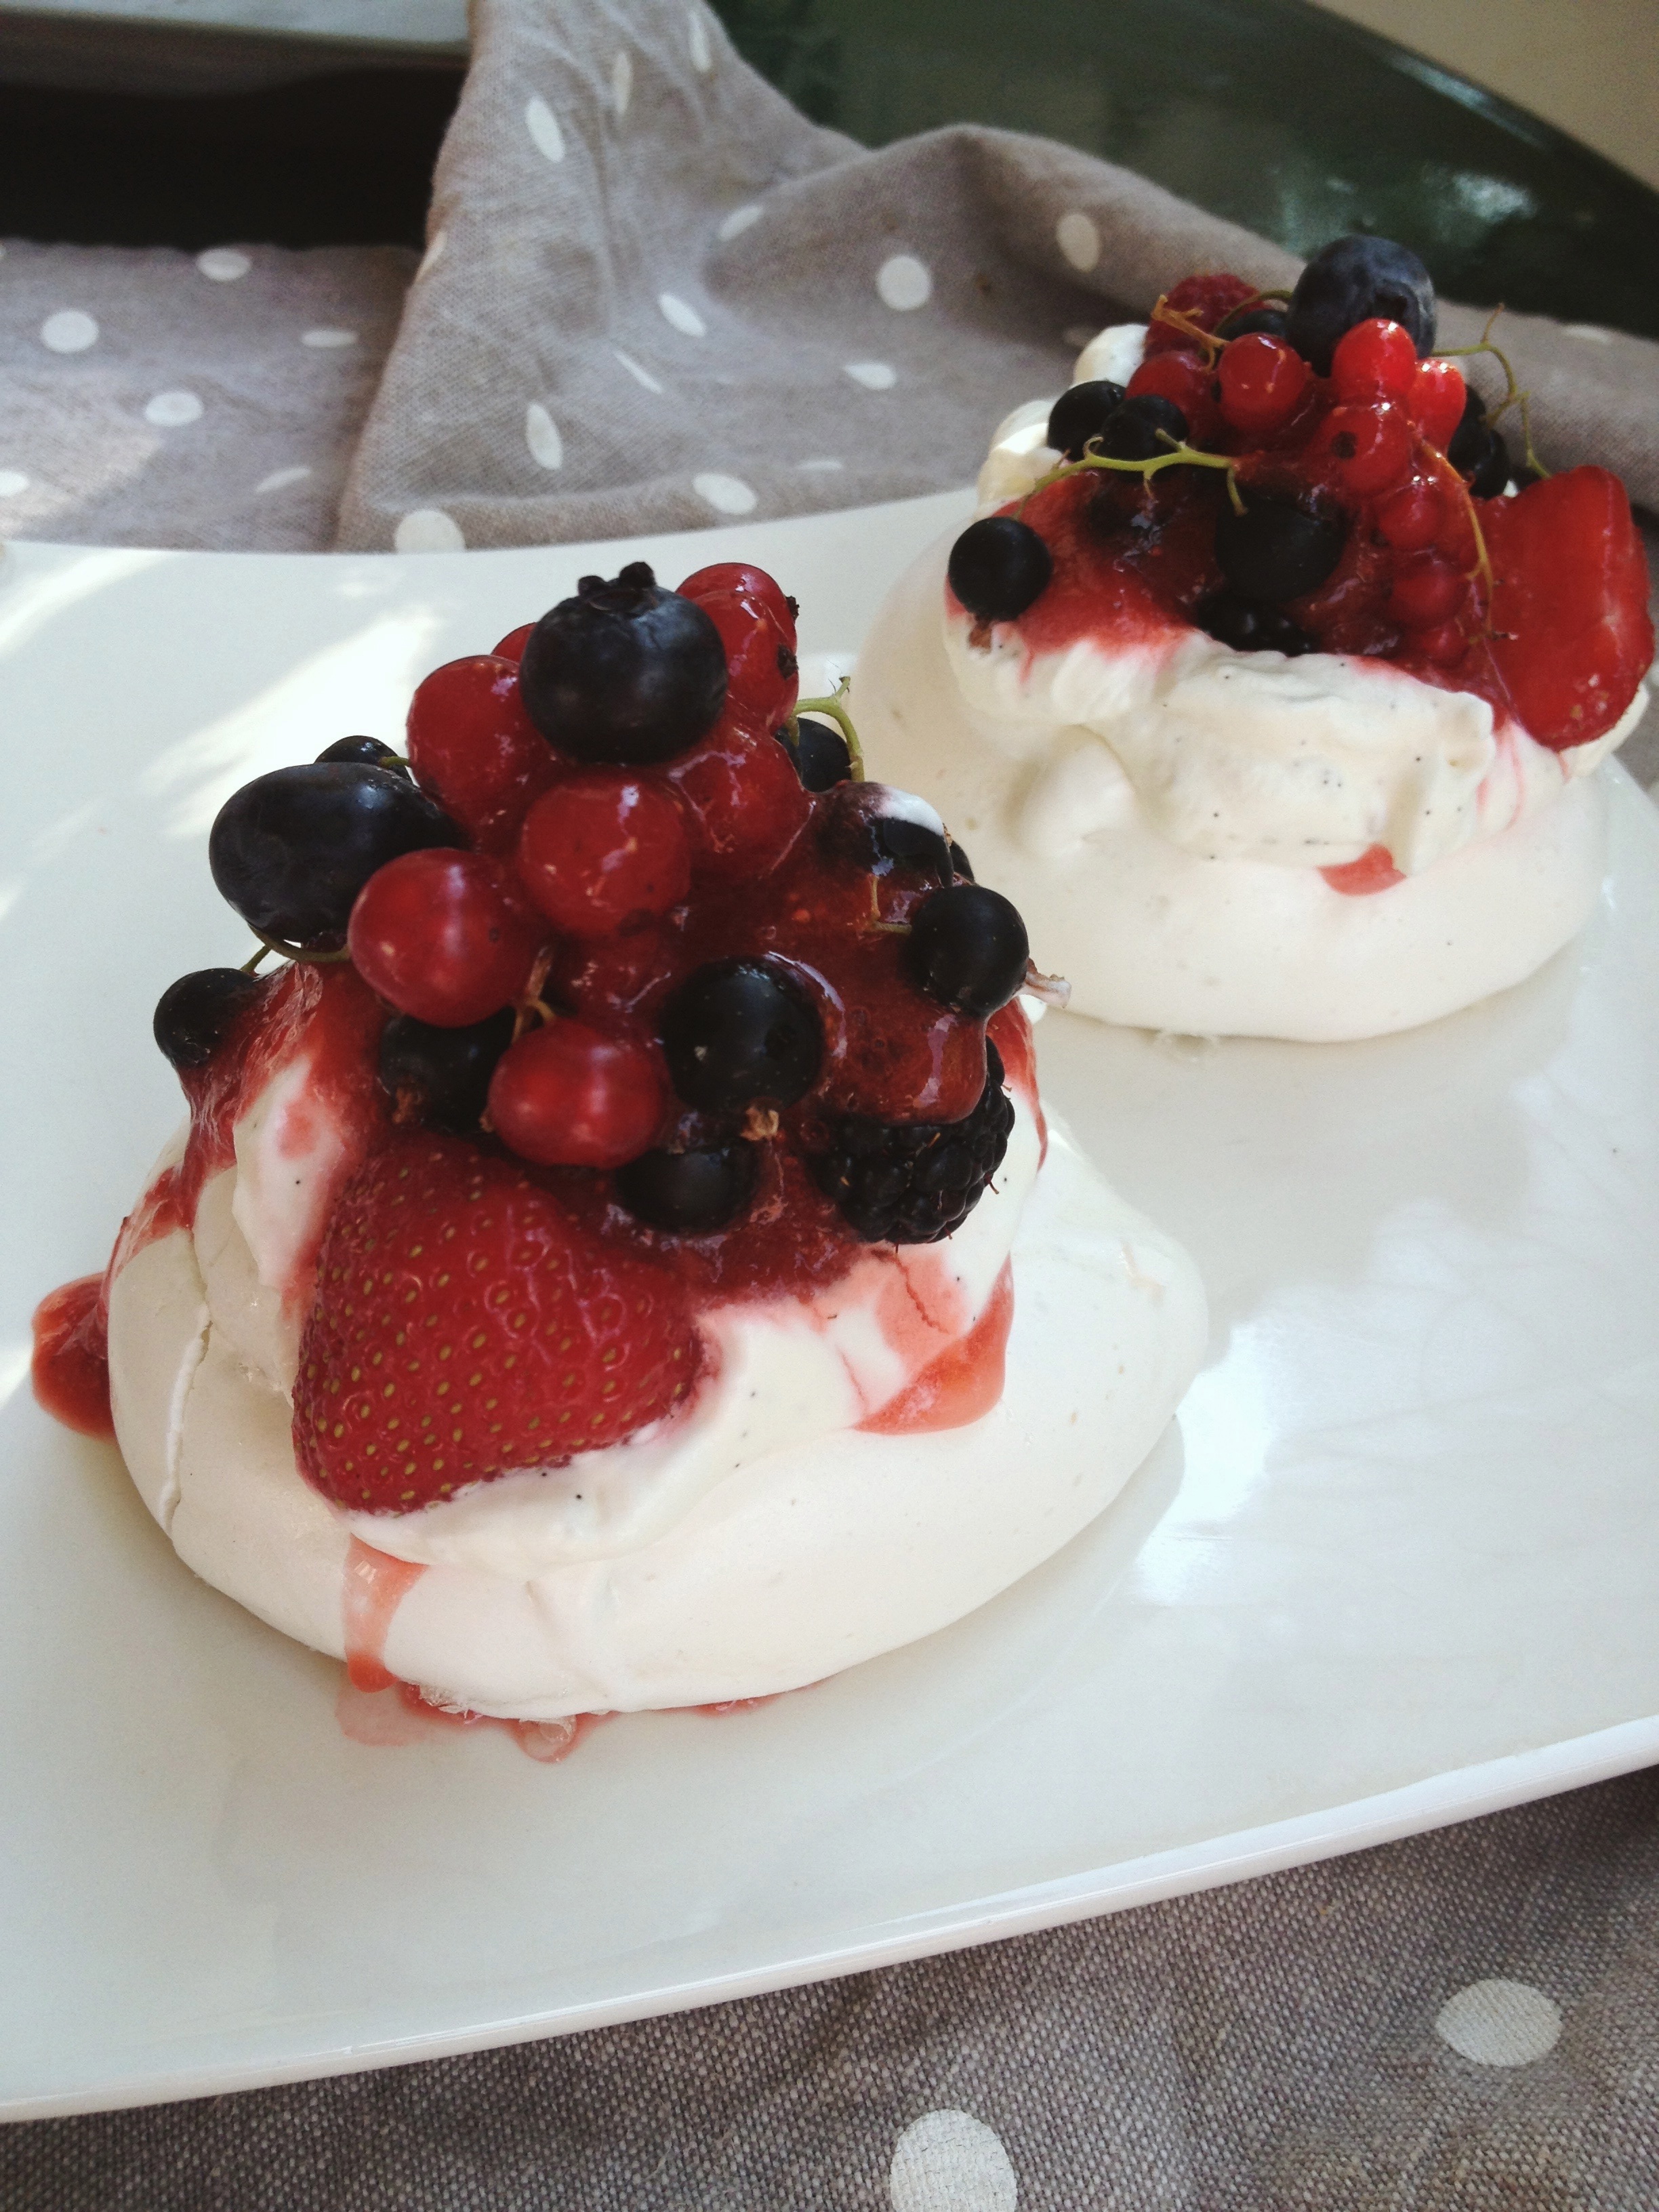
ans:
(759, 1540)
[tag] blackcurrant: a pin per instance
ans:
(819, 752)
(1349, 282)
(1276, 551)
(193, 1017)
(738, 1031)
(860, 825)
(998, 567)
(960, 863)
(692, 1193)
(1080, 414)
(1133, 431)
(967, 948)
(441, 1077)
(1271, 321)
(367, 752)
(1494, 470)
(291, 850)
(625, 672)
(1249, 626)
(1469, 446)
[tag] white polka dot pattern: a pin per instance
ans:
(725, 495)
(69, 331)
(949, 2161)
(280, 479)
(740, 219)
(904, 282)
(1499, 2023)
(432, 256)
(1078, 239)
(702, 59)
(223, 264)
(821, 465)
(873, 375)
(170, 410)
(328, 341)
(641, 376)
(12, 481)
(543, 124)
(1593, 332)
(622, 83)
(541, 435)
(682, 314)
(429, 529)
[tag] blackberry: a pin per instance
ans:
(912, 1183)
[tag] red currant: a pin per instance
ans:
(1206, 301)
(1263, 381)
(471, 744)
(601, 977)
(724, 576)
(1426, 590)
(1410, 518)
(1183, 377)
(1376, 360)
(1445, 644)
(1437, 400)
(570, 1096)
(601, 847)
(513, 644)
(762, 678)
(1371, 446)
(443, 936)
(744, 800)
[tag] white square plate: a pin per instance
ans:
(1400, 1564)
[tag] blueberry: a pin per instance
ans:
(1275, 551)
(625, 672)
(968, 949)
(193, 1017)
(692, 1193)
(1132, 431)
(819, 752)
(441, 1077)
(366, 752)
(291, 850)
(737, 1031)
(998, 567)
(1250, 627)
(1080, 414)
(1271, 321)
(1349, 282)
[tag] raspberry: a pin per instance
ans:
(472, 743)
(465, 1326)
(912, 1183)
(1206, 301)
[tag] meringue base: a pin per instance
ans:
(1156, 938)
(799, 1565)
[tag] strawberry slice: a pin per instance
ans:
(1568, 604)
(466, 1326)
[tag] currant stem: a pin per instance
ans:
(295, 953)
(1514, 397)
(1178, 454)
(838, 714)
(250, 964)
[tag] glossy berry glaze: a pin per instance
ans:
(1535, 603)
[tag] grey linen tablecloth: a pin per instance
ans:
(655, 297)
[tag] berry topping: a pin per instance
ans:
(603, 849)
(1275, 552)
(757, 630)
(1188, 384)
(1368, 445)
(1080, 414)
(625, 672)
(689, 1194)
(885, 831)
(742, 1032)
(1412, 519)
(1477, 450)
(738, 579)
(291, 850)
(443, 936)
(1435, 400)
(1376, 360)
(1427, 589)
(1249, 627)
(472, 743)
(367, 752)
(998, 568)
(900, 1182)
(1263, 382)
(441, 1077)
(968, 949)
(1205, 302)
(1269, 321)
(572, 1096)
(194, 1016)
(1144, 427)
(513, 644)
(466, 1325)
(744, 805)
(1353, 281)
(819, 752)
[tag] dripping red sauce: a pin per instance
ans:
(963, 1382)
(69, 1366)
(1374, 870)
